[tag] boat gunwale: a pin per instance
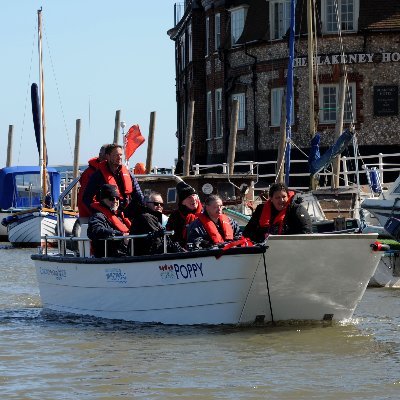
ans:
(258, 249)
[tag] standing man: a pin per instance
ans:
(113, 172)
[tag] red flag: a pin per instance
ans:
(133, 139)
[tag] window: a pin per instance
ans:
(340, 13)
(328, 100)
(238, 17)
(209, 116)
(241, 98)
(218, 113)
(207, 35)
(171, 195)
(190, 45)
(277, 94)
(279, 11)
(217, 31)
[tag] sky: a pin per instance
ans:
(98, 56)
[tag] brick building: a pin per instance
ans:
(238, 49)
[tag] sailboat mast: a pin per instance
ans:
(42, 153)
(310, 43)
(289, 91)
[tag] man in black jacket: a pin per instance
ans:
(280, 215)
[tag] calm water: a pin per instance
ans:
(43, 357)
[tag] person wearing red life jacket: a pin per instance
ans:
(189, 208)
(113, 172)
(93, 165)
(108, 221)
(212, 227)
(280, 215)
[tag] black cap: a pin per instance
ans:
(107, 191)
(184, 190)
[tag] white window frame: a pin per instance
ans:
(219, 128)
(276, 106)
(279, 24)
(328, 15)
(238, 19)
(329, 107)
(217, 31)
(190, 43)
(209, 115)
(207, 36)
(241, 98)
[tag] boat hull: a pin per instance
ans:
(387, 273)
(30, 227)
(198, 288)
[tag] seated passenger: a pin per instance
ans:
(107, 221)
(280, 215)
(189, 207)
(212, 227)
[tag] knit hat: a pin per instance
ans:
(184, 190)
(107, 191)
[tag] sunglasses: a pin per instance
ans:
(156, 203)
(113, 198)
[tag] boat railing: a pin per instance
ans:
(351, 169)
(64, 240)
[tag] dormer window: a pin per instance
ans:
(339, 15)
(279, 11)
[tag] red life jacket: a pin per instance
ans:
(122, 224)
(212, 230)
(126, 191)
(83, 181)
(189, 218)
(265, 219)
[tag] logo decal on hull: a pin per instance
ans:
(116, 275)
(59, 274)
(175, 272)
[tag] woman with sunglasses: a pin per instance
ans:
(108, 221)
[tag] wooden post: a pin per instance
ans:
(232, 136)
(282, 143)
(188, 140)
(76, 164)
(9, 145)
(116, 126)
(149, 159)
(338, 131)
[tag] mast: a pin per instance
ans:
(310, 44)
(42, 153)
(289, 91)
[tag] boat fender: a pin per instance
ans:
(7, 220)
(377, 246)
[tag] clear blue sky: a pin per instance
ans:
(111, 55)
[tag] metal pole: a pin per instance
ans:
(9, 145)
(116, 126)
(149, 159)
(76, 164)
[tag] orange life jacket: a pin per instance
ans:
(93, 165)
(212, 230)
(265, 219)
(122, 224)
(109, 178)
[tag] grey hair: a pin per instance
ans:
(148, 197)
(211, 198)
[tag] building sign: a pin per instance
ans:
(386, 100)
(350, 58)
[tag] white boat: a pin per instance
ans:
(302, 277)
(386, 205)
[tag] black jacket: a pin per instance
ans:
(297, 220)
(150, 222)
(100, 227)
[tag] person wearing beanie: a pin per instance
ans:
(108, 221)
(189, 208)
